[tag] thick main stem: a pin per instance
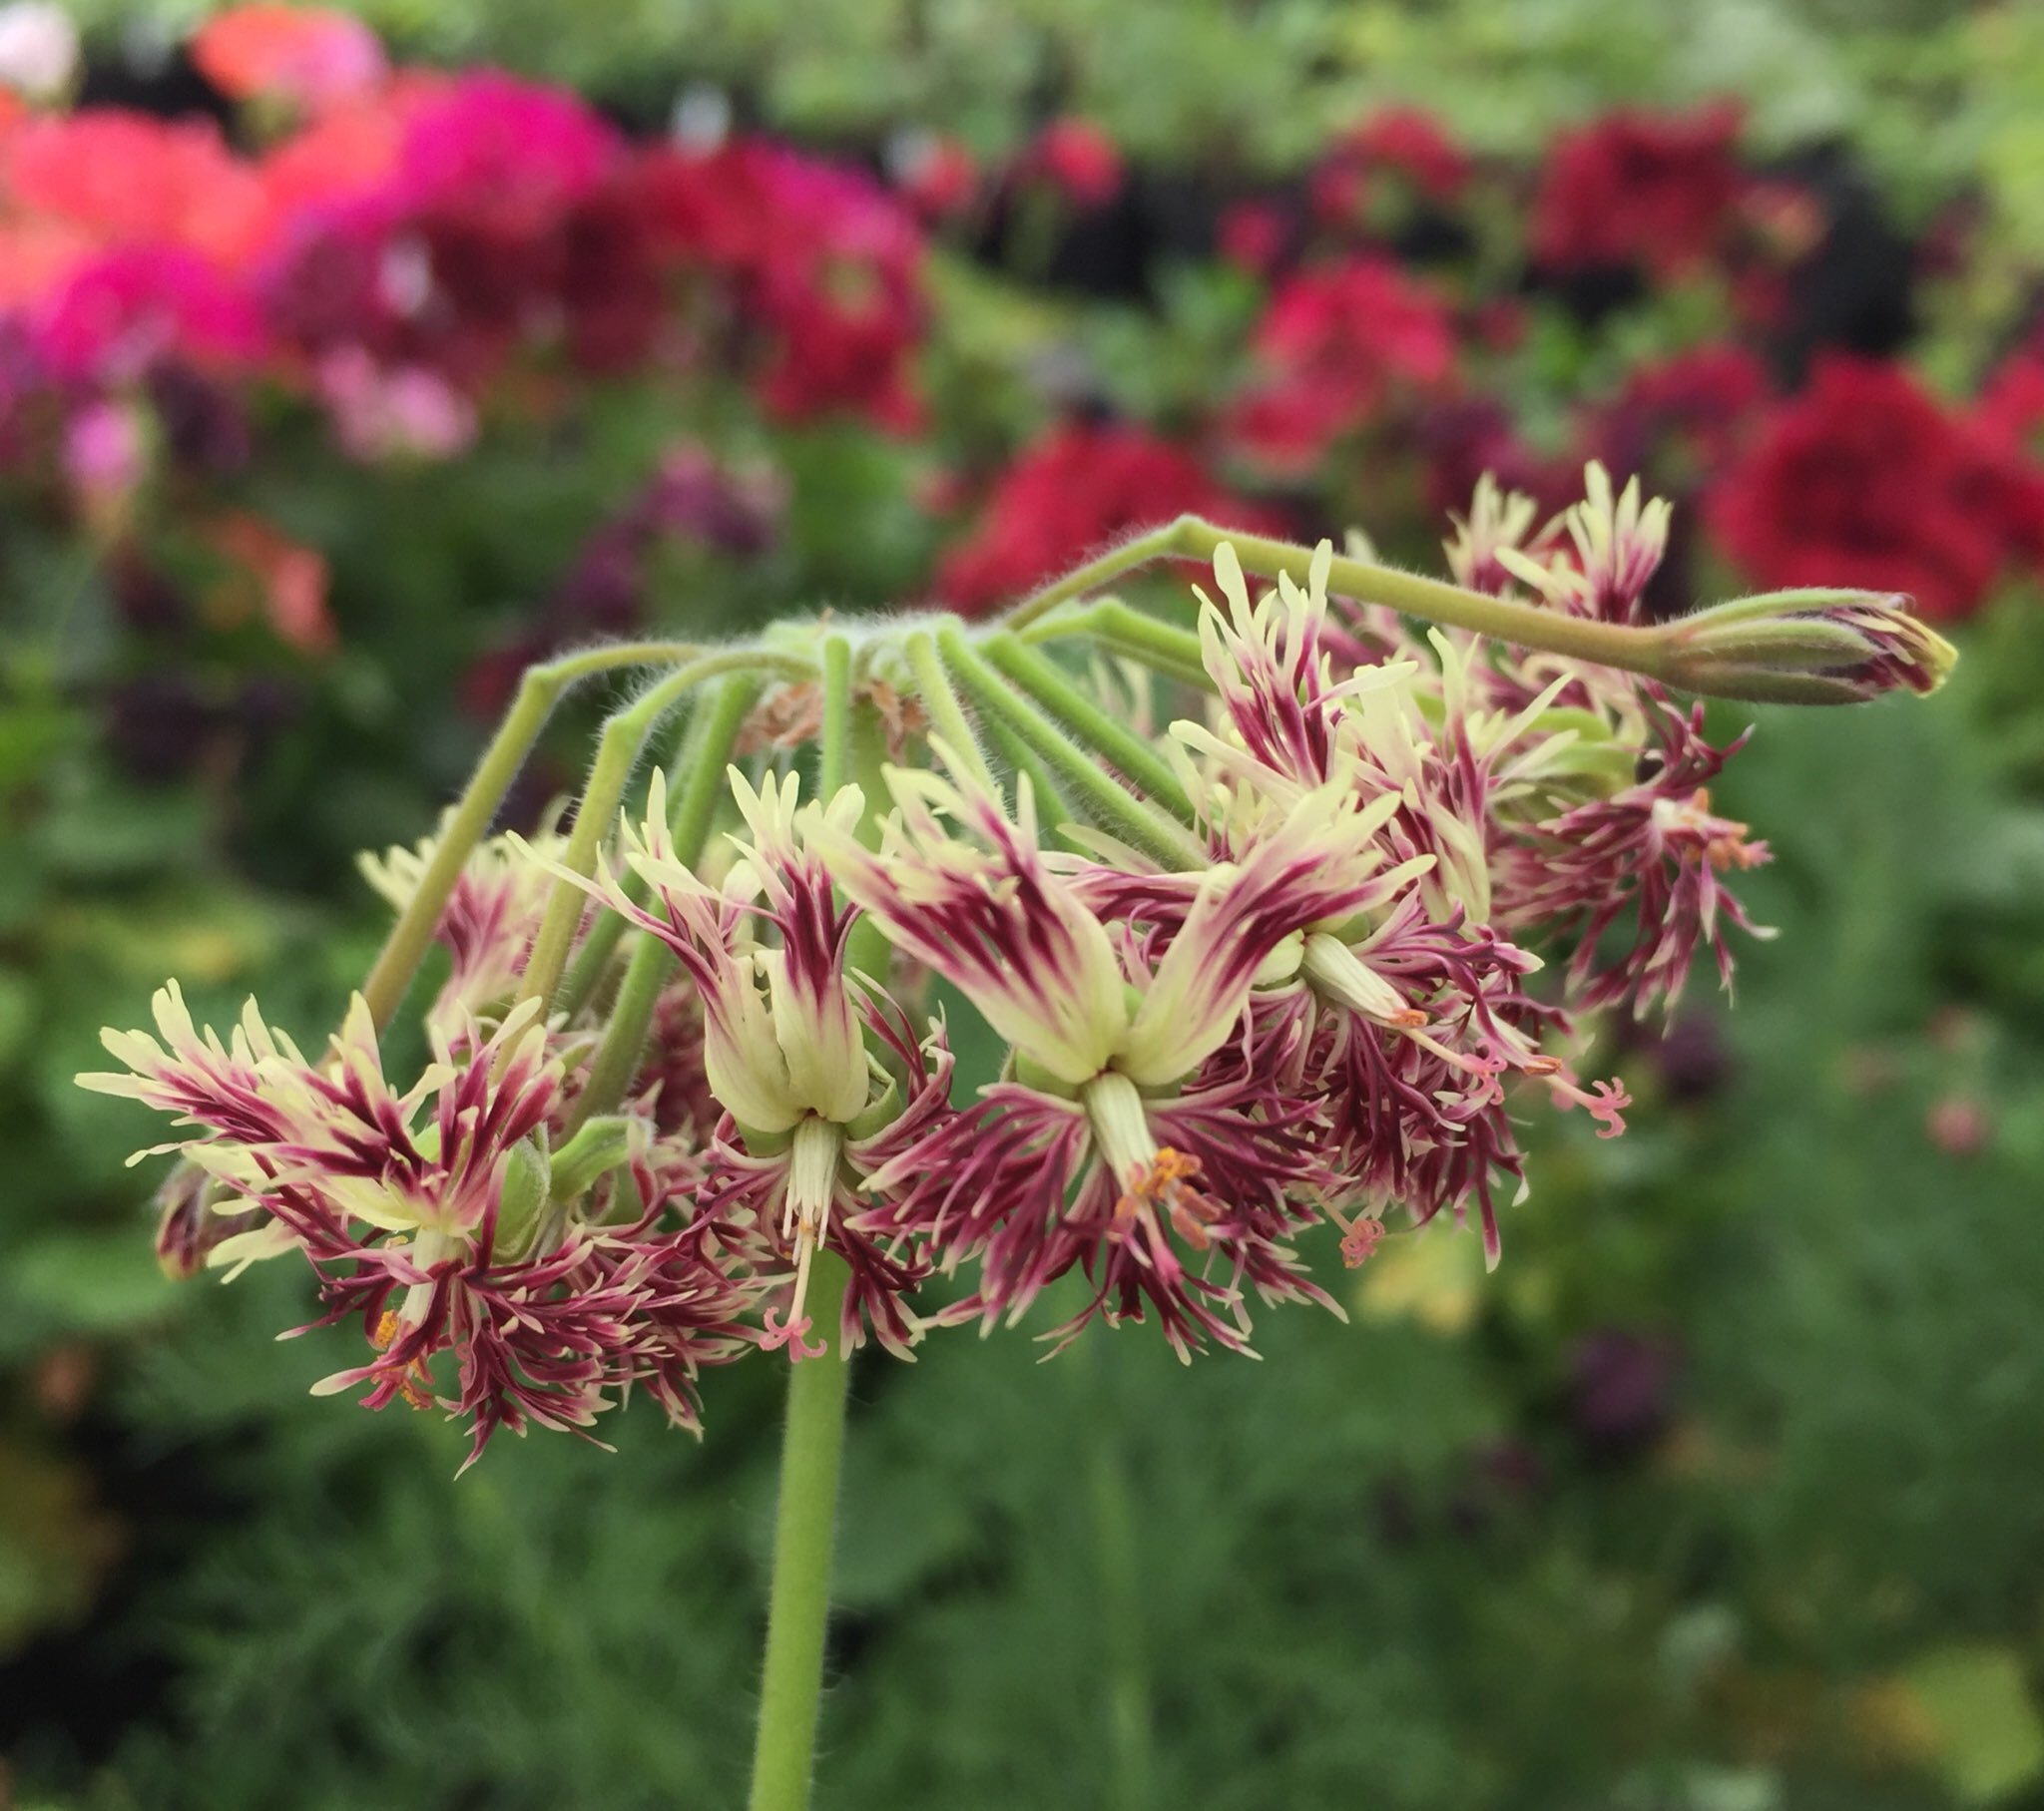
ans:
(804, 1532)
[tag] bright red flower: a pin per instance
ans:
(938, 176)
(1335, 344)
(1864, 480)
(1637, 189)
(1076, 487)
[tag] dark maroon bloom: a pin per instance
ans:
(1863, 479)
(1648, 858)
(1620, 1392)
(1636, 189)
(1405, 143)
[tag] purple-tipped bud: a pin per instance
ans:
(1809, 647)
(187, 1225)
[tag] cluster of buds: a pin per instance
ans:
(1280, 965)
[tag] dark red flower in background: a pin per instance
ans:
(1335, 344)
(1682, 418)
(1640, 190)
(1864, 479)
(1405, 143)
(1076, 487)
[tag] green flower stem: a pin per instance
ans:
(834, 756)
(699, 786)
(617, 756)
(1111, 1512)
(946, 714)
(1130, 1733)
(1644, 650)
(538, 692)
(1162, 647)
(1042, 681)
(1052, 809)
(1164, 543)
(805, 1529)
(868, 952)
(1077, 767)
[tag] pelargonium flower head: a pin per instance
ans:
(1093, 1152)
(781, 1028)
(429, 1210)
(784, 1044)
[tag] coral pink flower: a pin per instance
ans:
(125, 179)
(311, 57)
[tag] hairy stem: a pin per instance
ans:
(1137, 759)
(947, 715)
(1162, 647)
(617, 756)
(805, 1529)
(699, 784)
(1642, 649)
(1077, 767)
(539, 691)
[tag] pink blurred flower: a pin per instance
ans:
(1079, 158)
(118, 314)
(409, 411)
(504, 157)
(1252, 236)
(106, 454)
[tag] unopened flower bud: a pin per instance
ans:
(1809, 647)
(524, 1197)
(188, 1228)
